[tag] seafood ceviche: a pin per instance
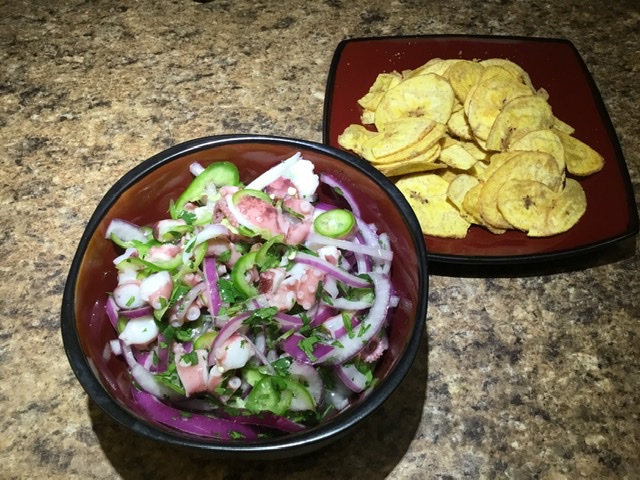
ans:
(253, 310)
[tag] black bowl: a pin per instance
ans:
(142, 196)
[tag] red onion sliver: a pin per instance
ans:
(112, 311)
(346, 193)
(288, 322)
(352, 378)
(370, 326)
(137, 312)
(231, 327)
(331, 270)
(269, 420)
(210, 268)
(195, 424)
(196, 169)
(143, 377)
(375, 251)
(291, 345)
(125, 231)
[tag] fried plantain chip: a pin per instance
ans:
(382, 84)
(423, 162)
(439, 66)
(581, 159)
(354, 138)
(544, 140)
(569, 206)
(412, 150)
(427, 195)
(517, 118)
(456, 156)
(457, 191)
(525, 203)
(398, 135)
(427, 96)
(480, 127)
(537, 166)
(486, 99)
(463, 75)
(513, 68)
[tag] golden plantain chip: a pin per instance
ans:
(471, 209)
(382, 84)
(485, 101)
(456, 156)
(399, 134)
(439, 66)
(496, 161)
(463, 75)
(518, 117)
(367, 117)
(424, 162)
(569, 206)
(423, 147)
(427, 195)
(544, 140)
(525, 203)
(581, 159)
(459, 187)
(537, 166)
(458, 125)
(513, 68)
(562, 126)
(354, 137)
(424, 96)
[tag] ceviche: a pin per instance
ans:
(253, 309)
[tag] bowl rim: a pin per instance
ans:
(288, 445)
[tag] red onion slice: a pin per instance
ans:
(125, 231)
(137, 312)
(112, 311)
(332, 270)
(369, 327)
(231, 327)
(291, 345)
(352, 378)
(289, 322)
(346, 193)
(269, 420)
(143, 377)
(210, 269)
(194, 423)
(374, 251)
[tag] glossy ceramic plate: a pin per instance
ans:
(552, 64)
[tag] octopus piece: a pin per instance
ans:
(127, 294)
(156, 289)
(234, 353)
(163, 253)
(374, 349)
(299, 286)
(194, 376)
(140, 331)
(282, 188)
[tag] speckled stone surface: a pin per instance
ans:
(524, 376)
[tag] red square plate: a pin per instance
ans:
(553, 64)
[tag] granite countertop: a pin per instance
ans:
(533, 375)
